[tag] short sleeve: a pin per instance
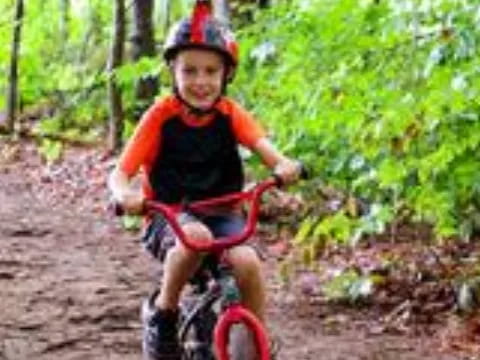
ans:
(144, 141)
(247, 130)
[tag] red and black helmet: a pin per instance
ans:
(202, 31)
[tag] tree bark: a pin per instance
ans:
(144, 45)
(222, 11)
(12, 94)
(263, 4)
(163, 17)
(115, 123)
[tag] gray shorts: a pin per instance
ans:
(159, 236)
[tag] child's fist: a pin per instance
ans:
(131, 201)
(288, 170)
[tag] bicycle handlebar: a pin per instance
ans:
(253, 195)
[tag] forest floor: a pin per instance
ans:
(72, 279)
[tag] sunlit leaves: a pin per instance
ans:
(380, 98)
(127, 74)
(351, 286)
(59, 62)
(304, 230)
(51, 150)
(131, 222)
(384, 94)
(264, 52)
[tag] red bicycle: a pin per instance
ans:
(210, 315)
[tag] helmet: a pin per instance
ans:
(202, 31)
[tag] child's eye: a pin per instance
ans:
(189, 70)
(212, 70)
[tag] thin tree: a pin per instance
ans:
(222, 11)
(164, 15)
(115, 123)
(144, 45)
(263, 3)
(12, 92)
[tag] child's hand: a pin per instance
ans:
(288, 170)
(125, 193)
(131, 201)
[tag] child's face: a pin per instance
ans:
(199, 75)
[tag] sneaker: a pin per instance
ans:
(159, 332)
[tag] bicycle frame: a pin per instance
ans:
(233, 312)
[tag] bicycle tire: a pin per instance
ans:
(237, 314)
(196, 330)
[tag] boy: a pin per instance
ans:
(187, 146)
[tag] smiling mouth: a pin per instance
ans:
(201, 96)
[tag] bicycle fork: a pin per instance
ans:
(238, 335)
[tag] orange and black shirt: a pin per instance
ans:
(182, 160)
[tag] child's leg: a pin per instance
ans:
(179, 265)
(247, 269)
(159, 311)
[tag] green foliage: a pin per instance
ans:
(65, 63)
(380, 98)
(6, 28)
(351, 286)
(167, 11)
(131, 223)
(50, 150)
(60, 63)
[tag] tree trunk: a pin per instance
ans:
(115, 124)
(12, 95)
(163, 17)
(222, 11)
(144, 45)
(263, 3)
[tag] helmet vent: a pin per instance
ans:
(201, 13)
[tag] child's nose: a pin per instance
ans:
(201, 78)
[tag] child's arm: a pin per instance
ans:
(124, 193)
(286, 168)
(133, 156)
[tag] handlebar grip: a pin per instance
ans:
(117, 209)
(278, 180)
(305, 173)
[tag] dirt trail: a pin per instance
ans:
(71, 281)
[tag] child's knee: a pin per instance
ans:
(245, 261)
(196, 232)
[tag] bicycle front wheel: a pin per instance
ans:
(196, 333)
(239, 335)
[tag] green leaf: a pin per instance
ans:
(51, 150)
(338, 287)
(304, 231)
(131, 222)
